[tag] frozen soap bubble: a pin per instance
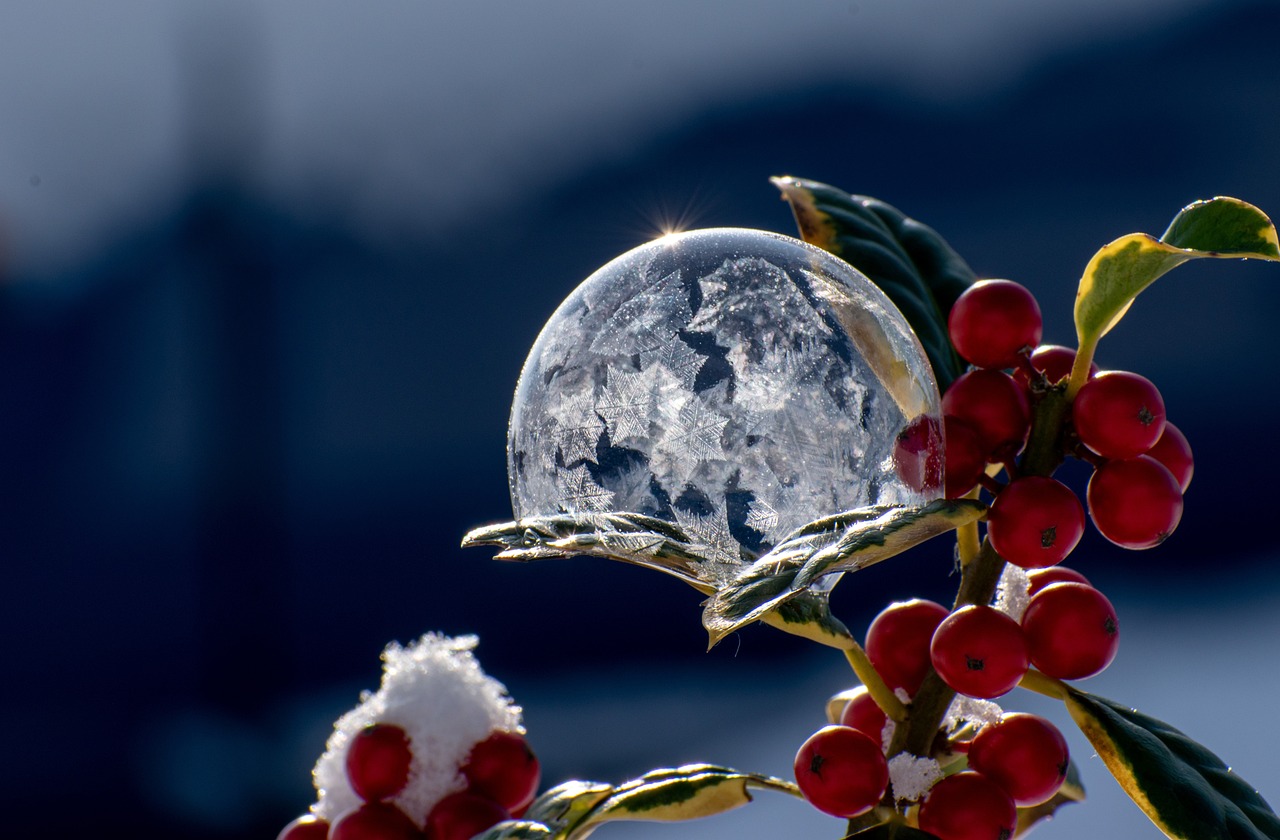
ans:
(737, 383)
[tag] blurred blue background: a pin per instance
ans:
(270, 270)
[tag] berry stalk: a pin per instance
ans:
(980, 576)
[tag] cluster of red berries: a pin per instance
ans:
(1021, 760)
(502, 776)
(1143, 463)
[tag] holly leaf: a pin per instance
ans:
(869, 535)
(1186, 790)
(1219, 227)
(574, 810)
(683, 793)
(907, 260)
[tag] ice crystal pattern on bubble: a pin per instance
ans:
(714, 382)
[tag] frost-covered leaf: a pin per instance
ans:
(657, 544)
(910, 263)
(1186, 790)
(867, 536)
(1072, 790)
(1219, 227)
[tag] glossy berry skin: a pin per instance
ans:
(378, 761)
(309, 827)
(841, 771)
(918, 454)
(461, 816)
(504, 769)
(1040, 578)
(993, 322)
(1173, 450)
(979, 651)
(1071, 630)
(968, 806)
(1135, 503)
(862, 713)
(1054, 363)
(1035, 522)
(1118, 414)
(965, 458)
(898, 641)
(375, 821)
(994, 406)
(1024, 754)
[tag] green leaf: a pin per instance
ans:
(1220, 227)
(517, 830)
(907, 260)
(1186, 790)
(684, 793)
(785, 573)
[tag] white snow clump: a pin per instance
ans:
(1012, 592)
(912, 776)
(436, 691)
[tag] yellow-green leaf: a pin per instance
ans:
(786, 573)
(682, 793)
(1219, 227)
(1186, 790)
(517, 830)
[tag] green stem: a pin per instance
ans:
(1080, 368)
(876, 686)
(1044, 684)
(981, 574)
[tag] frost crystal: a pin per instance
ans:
(435, 690)
(912, 776)
(971, 710)
(737, 383)
(1011, 592)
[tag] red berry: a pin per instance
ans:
(968, 806)
(966, 457)
(1135, 503)
(863, 714)
(1173, 450)
(898, 641)
(309, 827)
(375, 821)
(1071, 631)
(1053, 361)
(504, 769)
(994, 406)
(1035, 522)
(461, 816)
(993, 322)
(1040, 578)
(378, 761)
(1118, 414)
(979, 651)
(841, 771)
(918, 454)
(1024, 754)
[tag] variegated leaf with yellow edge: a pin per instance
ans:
(1186, 790)
(1218, 227)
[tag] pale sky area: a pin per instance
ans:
(404, 116)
